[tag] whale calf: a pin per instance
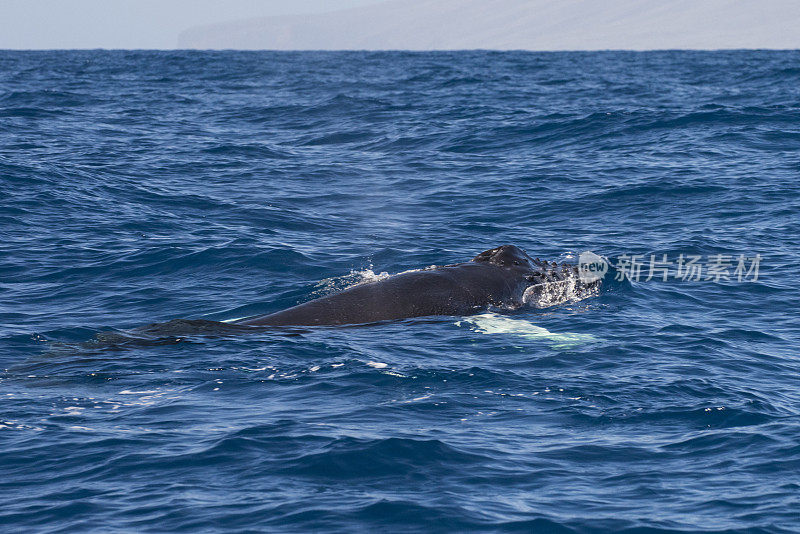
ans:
(504, 277)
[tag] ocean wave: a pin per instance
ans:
(148, 199)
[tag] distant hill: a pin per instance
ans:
(518, 24)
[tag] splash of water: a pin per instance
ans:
(556, 292)
(326, 286)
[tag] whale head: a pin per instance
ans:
(539, 283)
(509, 256)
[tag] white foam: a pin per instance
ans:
(235, 319)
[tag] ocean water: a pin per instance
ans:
(145, 187)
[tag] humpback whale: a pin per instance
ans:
(501, 279)
(504, 277)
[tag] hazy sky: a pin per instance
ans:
(43, 24)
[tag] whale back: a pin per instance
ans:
(504, 277)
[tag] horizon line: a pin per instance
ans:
(409, 50)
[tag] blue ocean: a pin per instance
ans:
(156, 188)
